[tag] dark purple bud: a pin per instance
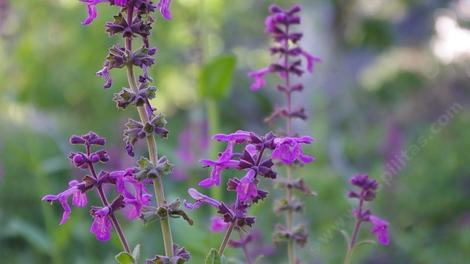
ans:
(76, 140)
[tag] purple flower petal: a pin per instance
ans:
(258, 78)
(380, 229)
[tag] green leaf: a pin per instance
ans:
(214, 258)
(216, 77)
(346, 236)
(365, 242)
(136, 252)
(125, 258)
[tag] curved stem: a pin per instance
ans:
(226, 238)
(357, 227)
(152, 147)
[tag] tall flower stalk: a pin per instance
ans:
(279, 24)
(366, 192)
(134, 20)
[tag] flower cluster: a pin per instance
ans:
(135, 21)
(256, 159)
(367, 188)
(278, 25)
(131, 193)
(253, 160)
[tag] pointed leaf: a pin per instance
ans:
(346, 236)
(216, 76)
(125, 258)
(136, 252)
(214, 258)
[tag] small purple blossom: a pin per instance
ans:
(380, 229)
(223, 162)
(289, 150)
(246, 188)
(200, 200)
(79, 199)
(164, 7)
(258, 78)
(101, 225)
(218, 224)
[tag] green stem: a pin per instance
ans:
(152, 149)
(226, 238)
(213, 122)
(153, 155)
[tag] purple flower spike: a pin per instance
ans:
(258, 77)
(101, 225)
(246, 189)
(200, 200)
(288, 150)
(380, 229)
(218, 224)
(164, 6)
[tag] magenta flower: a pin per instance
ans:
(79, 199)
(289, 149)
(92, 11)
(258, 77)
(311, 60)
(101, 225)
(217, 224)
(219, 165)
(380, 229)
(246, 188)
(134, 192)
(200, 200)
(240, 136)
(164, 6)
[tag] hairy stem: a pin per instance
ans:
(226, 238)
(290, 213)
(152, 147)
(355, 233)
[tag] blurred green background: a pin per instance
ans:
(390, 98)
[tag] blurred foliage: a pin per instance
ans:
(380, 68)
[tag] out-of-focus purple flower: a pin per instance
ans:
(246, 188)
(101, 225)
(79, 199)
(217, 224)
(258, 78)
(289, 149)
(367, 186)
(380, 229)
(311, 60)
(223, 162)
(164, 7)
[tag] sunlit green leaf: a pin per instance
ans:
(216, 77)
